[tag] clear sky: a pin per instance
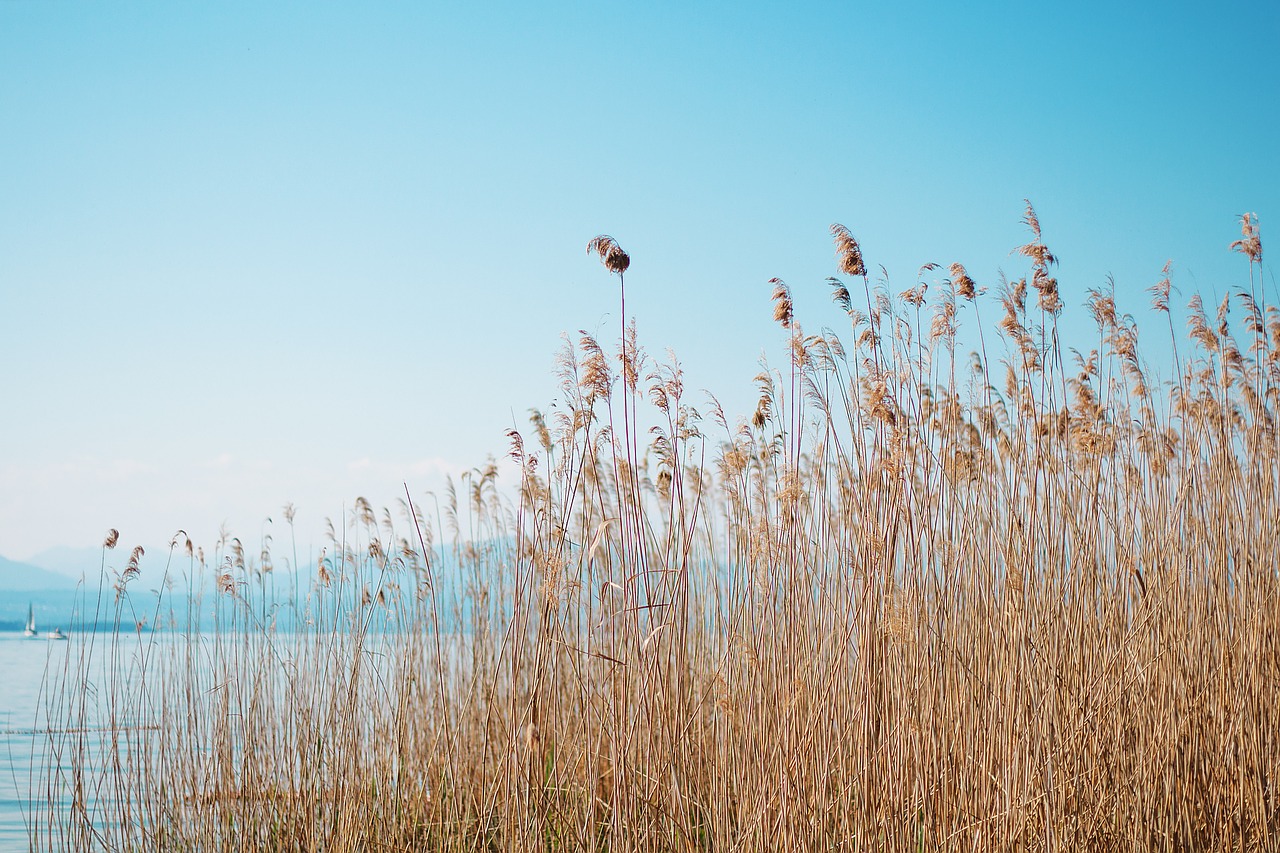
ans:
(253, 253)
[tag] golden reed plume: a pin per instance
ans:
(611, 255)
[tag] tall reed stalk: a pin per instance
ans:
(905, 605)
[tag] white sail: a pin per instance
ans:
(31, 621)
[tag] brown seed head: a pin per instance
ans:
(782, 311)
(1250, 243)
(848, 252)
(913, 296)
(1032, 221)
(963, 284)
(517, 446)
(595, 379)
(611, 255)
(840, 295)
(113, 536)
(1160, 290)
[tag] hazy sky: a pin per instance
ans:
(257, 253)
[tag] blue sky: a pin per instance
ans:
(257, 253)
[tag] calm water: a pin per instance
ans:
(30, 667)
(24, 662)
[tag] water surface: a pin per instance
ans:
(24, 663)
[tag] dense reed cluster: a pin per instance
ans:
(1024, 600)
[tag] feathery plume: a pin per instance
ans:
(611, 255)
(1250, 243)
(1032, 221)
(963, 284)
(782, 309)
(840, 295)
(1160, 290)
(848, 252)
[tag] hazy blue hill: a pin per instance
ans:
(25, 577)
(51, 594)
(74, 563)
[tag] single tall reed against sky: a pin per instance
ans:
(256, 253)
(1023, 600)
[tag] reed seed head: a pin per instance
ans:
(1250, 242)
(963, 284)
(611, 255)
(848, 252)
(782, 309)
(1029, 217)
(840, 295)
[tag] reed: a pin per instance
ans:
(912, 602)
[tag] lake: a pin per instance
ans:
(29, 667)
(24, 662)
(38, 678)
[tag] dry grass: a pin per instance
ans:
(911, 603)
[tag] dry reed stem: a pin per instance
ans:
(883, 613)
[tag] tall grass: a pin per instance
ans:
(911, 602)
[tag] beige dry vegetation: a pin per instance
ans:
(1023, 601)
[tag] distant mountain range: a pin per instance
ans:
(28, 577)
(51, 584)
(21, 584)
(63, 568)
(74, 563)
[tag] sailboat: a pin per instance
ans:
(30, 630)
(56, 634)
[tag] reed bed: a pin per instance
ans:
(1025, 600)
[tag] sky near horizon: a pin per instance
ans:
(256, 253)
